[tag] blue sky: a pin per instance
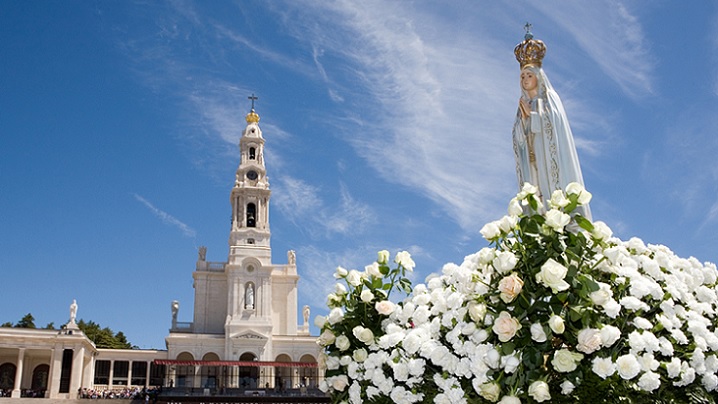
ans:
(388, 126)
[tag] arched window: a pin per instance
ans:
(252, 153)
(251, 215)
(248, 375)
(39, 378)
(7, 376)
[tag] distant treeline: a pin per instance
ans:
(102, 337)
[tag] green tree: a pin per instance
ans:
(28, 321)
(7, 324)
(103, 337)
(50, 326)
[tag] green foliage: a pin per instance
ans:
(104, 337)
(28, 321)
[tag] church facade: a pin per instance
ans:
(245, 335)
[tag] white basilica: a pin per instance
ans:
(245, 336)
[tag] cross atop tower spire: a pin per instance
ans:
(253, 98)
(252, 116)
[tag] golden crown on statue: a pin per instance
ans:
(531, 51)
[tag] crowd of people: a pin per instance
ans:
(23, 393)
(134, 393)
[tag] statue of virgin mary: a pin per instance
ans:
(543, 143)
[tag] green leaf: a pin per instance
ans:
(584, 223)
(508, 348)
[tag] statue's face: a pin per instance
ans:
(529, 82)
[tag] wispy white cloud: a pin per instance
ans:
(166, 218)
(612, 36)
(301, 203)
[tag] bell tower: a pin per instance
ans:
(250, 196)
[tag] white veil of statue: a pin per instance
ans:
(543, 143)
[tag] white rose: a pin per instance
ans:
(507, 223)
(326, 338)
(510, 400)
(403, 258)
(383, 257)
(537, 332)
(575, 188)
(510, 363)
(486, 255)
(557, 325)
(557, 220)
(603, 367)
(649, 381)
(342, 343)
(332, 298)
(558, 199)
(506, 326)
(477, 311)
(364, 335)
(339, 383)
(340, 272)
(490, 391)
(589, 340)
(515, 208)
(609, 335)
(628, 366)
(360, 355)
(510, 287)
(366, 296)
(603, 295)
(565, 360)
(492, 358)
(490, 231)
(319, 321)
(373, 270)
(340, 289)
(335, 315)
(612, 308)
(539, 391)
(384, 307)
(354, 278)
(567, 387)
(552, 275)
(528, 189)
(601, 231)
(504, 261)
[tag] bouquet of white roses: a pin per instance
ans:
(554, 310)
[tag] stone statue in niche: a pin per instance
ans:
(249, 297)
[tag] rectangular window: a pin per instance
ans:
(157, 374)
(139, 374)
(102, 372)
(119, 374)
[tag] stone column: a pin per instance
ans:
(78, 359)
(53, 382)
(18, 374)
(112, 374)
(88, 372)
(147, 374)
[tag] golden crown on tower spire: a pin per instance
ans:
(252, 116)
(531, 51)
